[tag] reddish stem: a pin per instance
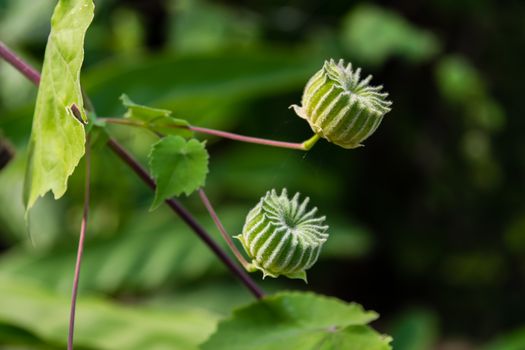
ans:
(249, 139)
(227, 135)
(80, 250)
(30, 73)
(221, 228)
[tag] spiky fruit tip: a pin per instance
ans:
(282, 237)
(340, 106)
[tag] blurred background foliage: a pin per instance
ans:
(427, 221)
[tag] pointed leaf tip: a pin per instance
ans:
(156, 119)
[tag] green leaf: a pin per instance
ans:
(140, 112)
(178, 166)
(156, 119)
(298, 321)
(57, 137)
(100, 323)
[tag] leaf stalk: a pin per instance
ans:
(80, 249)
(222, 230)
(304, 146)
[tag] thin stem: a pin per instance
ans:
(143, 174)
(221, 228)
(80, 249)
(304, 146)
(248, 139)
(24, 68)
(124, 155)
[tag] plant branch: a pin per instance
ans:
(80, 249)
(221, 228)
(248, 139)
(188, 219)
(34, 76)
(24, 68)
(304, 146)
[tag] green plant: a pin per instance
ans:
(280, 235)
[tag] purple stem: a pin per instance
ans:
(224, 134)
(80, 250)
(248, 139)
(188, 218)
(221, 228)
(30, 73)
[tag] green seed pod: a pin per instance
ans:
(282, 237)
(341, 107)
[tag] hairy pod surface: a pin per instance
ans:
(340, 106)
(283, 237)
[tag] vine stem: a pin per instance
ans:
(124, 155)
(24, 68)
(302, 146)
(80, 249)
(221, 228)
(249, 139)
(188, 219)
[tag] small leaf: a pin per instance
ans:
(156, 119)
(178, 166)
(295, 320)
(140, 112)
(57, 137)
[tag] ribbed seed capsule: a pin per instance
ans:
(341, 107)
(282, 236)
